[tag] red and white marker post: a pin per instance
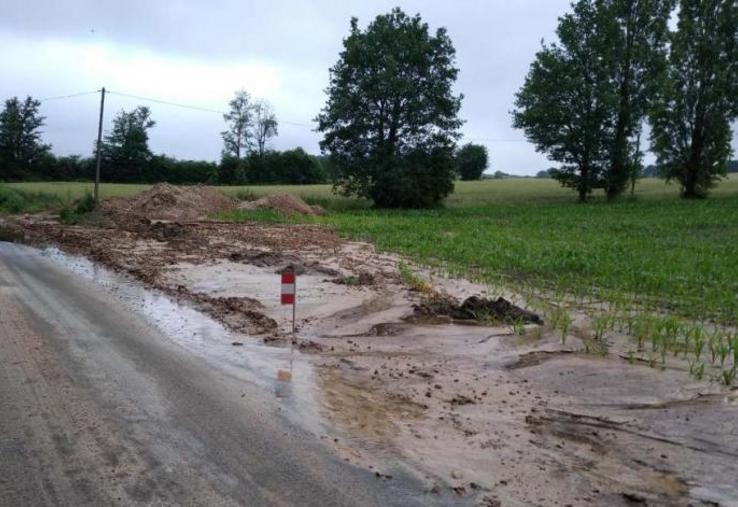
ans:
(289, 291)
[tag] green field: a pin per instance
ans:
(467, 194)
(654, 251)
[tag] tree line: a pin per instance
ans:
(618, 66)
(391, 121)
(127, 158)
(390, 126)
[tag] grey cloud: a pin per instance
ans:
(495, 43)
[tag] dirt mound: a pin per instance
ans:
(476, 308)
(169, 202)
(285, 204)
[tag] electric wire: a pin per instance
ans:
(80, 94)
(165, 102)
(216, 111)
(188, 106)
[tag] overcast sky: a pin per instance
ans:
(199, 53)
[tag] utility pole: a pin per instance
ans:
(99, 145)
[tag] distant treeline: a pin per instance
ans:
(650, 171)
(127, 158)
(273, 167)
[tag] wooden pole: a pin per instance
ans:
(99, 145)
(294, 305)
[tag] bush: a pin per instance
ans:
(245, 194)
(471, 161)
(180, 172)
(19, 201)
(291, 167)
(417, 180)
(84, 205)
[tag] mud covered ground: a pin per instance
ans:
(498, 414)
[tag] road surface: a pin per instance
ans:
(97, 407)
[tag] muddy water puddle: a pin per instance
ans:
(317, 296)
(277, 368)
(482, 410)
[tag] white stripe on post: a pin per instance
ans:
(288, 288)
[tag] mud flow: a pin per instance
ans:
(501, 412)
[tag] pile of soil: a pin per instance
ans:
(476, 308)
(285, 204)
(173, 203)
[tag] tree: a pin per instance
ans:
(471, 161)
(265, 125)
(20, 138)
(635, 168)
(633, 36)
(691, 120)
(238, 140)
(125, 149)
(566, 106)
(390, 122)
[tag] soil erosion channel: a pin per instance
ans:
(441, 394)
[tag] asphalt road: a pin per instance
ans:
(99, 408)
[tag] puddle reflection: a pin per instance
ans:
(272, 367)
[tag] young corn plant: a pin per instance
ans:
(712, 346)
(565, 324)
(699, 342)
(728, 376)
(687, 338)
(560, 319)
(643, 327)
(722, 351)
(518, 326)
(699, 371)
(601, 324)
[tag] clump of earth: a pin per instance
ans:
(475, 308)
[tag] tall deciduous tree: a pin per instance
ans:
(20, 137)
(391, 119)
(125, 148)
(265, 125)
(238, 139)
(633, 36)
(471, 161)
(691, 121)
(566, 106)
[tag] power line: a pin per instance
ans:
(493, 140)
(296, 124)
(216, 111)
(80, 94)
(166, 102)
(188, 106)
